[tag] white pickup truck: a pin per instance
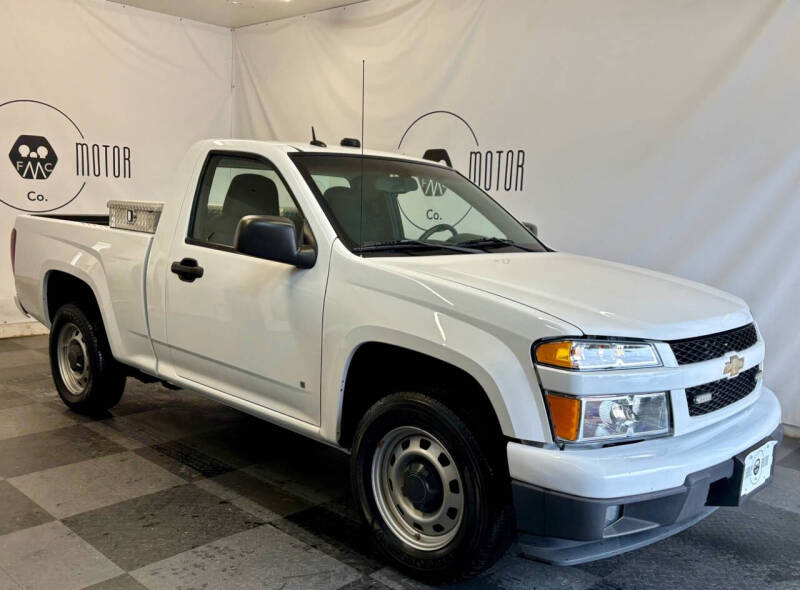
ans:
(483, 383)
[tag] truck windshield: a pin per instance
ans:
(388, 207)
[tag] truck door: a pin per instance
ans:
(241, 325)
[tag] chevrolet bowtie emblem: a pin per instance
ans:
(733, 366)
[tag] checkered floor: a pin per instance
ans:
(174, 491)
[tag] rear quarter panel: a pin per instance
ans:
(111, 261)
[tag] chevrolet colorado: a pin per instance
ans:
(482, 383)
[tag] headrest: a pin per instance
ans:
(251, 194)
(338, 193)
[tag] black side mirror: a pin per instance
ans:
(532, 227)
(272, 238)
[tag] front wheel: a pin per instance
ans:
(434, 502)
(86, 375)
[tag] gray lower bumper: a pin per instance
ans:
(565, 552)
(565, 530)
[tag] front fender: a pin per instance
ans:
(484, 335)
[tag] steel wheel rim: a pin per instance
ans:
(427, 524)
(73, 358)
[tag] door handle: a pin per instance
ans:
(187, 269)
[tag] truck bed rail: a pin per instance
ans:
(94, 219)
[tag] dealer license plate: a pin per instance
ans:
(757, 467)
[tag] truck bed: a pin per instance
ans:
(113, 262)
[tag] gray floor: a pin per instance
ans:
(173, 491)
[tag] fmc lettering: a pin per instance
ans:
(498, 169)
(110, 161)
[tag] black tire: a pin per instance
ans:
(103, 380)
(487, 522)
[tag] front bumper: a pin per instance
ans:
(648, 466)
(564, 528)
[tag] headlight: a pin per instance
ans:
(608, 417)
(589, 355)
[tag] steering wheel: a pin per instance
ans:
(436, 229)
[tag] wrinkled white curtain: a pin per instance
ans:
(145, 83)
(662, 134)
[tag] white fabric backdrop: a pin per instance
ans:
(127, 77)
(662, 134)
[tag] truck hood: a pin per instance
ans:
(600, 298)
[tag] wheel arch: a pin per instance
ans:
(60, 286)
(442, 378)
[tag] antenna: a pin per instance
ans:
(363, 88)
(314, 140)
(363, 92)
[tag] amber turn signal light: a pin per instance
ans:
(565, 413)
(555, 353)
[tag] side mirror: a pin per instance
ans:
(272, 238)
(532, 227)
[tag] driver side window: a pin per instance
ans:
(233, 187)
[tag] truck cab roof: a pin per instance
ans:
(304, 147)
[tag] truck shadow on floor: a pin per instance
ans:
(302, 484)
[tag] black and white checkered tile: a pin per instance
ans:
(170, 490)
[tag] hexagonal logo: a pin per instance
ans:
(33, 157)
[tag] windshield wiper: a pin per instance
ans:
(493, 241)
(403, 244)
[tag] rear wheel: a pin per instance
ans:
(428, 490)
(86, 375)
